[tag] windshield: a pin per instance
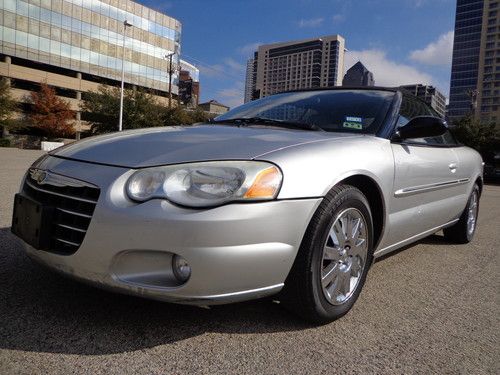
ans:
(356, 111)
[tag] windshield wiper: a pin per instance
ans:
(244, 121)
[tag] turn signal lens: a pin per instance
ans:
(265, 185)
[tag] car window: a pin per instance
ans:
(343, 110)
(412, 107)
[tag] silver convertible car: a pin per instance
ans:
(292, 195)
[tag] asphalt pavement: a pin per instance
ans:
(431, 308)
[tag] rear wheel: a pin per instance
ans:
(463, 230)
(334, 258)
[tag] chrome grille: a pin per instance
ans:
(74, 206)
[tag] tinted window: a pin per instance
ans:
(412, 107)
(356, 111)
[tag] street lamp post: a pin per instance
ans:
(120, 121)
(170, 73)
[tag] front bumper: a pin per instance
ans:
(236, 252)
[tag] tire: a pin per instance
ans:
(462, 232)
(309, 290)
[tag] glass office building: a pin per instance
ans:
(465, 62)
(75, 45)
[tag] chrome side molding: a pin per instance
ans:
(429, 187)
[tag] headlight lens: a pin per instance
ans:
(207, 184)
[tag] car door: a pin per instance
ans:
(426, 188)
(467, 171)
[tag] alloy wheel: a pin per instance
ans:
(472, 215)
(344, 256)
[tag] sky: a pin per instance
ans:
(400, 41)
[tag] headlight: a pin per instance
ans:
(207, 184)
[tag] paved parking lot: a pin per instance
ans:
(432, 308)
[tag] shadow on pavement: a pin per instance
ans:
(42, 311)
(492, 182)
(434, 239)
(45, 312)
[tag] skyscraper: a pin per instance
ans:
(358, 75)
(308, 63)
(475, 73)
(488, 86)
(251, 76)
(465, 61)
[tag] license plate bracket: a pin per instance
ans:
(32, 222)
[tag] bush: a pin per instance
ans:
(4, 142)
(473, 133)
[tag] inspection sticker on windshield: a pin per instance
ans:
(353, 123)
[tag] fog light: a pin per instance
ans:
(182, 270)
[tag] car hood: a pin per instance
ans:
(181, 144)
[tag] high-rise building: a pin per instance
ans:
(251, 77)
(465, 60)
(475, 73)
(358, 75)
(430, 95)
(488, 85)
(75, 45)
(302, 64)
(189, 84)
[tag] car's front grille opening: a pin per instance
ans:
(74, 207)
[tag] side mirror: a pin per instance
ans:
(421, 127)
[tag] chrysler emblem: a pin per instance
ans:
(38, 175)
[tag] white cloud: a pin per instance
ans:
(229, 67)
(311, 22)
(385, 71)
(234, 65)
(213, 70)
(249, 49)
(338, 18)
(438, 52)
(231, 96)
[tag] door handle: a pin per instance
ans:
(453, 167)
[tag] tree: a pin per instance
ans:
(475, 134)
(140, 110)
(199, 115)
(176, 116)
(102, 107)
(50, 113)
(7, 104)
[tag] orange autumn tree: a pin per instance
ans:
(50, 113)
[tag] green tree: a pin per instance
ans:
(50, 113)
(102, 108)
(475, 134)
(7, 105)
(176, 116)
(198, 115)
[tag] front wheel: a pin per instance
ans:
(334, 257)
